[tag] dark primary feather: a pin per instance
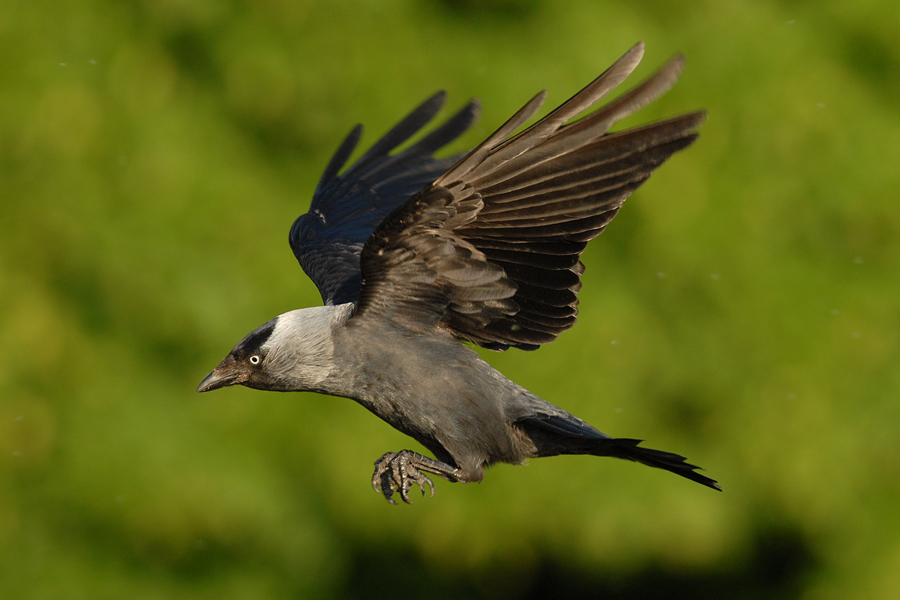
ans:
(346, 208)
(492, 248)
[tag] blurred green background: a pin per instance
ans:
(743, 309)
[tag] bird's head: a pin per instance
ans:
(244, 365)
(292, 352)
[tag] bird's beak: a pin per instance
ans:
(220, 377)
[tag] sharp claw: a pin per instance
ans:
(422, 482)
(398, 471)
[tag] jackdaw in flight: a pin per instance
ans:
(414, 254)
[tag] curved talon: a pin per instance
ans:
(398, 471)
(382, 478)
(430, 485)
(416, 477)
(378, 482)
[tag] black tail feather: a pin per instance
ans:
(555, 434)
(630, 450)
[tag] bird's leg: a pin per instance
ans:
(398, 471)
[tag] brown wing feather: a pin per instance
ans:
(491, 250)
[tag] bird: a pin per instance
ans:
(418, 258)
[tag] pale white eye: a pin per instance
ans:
(254, 360)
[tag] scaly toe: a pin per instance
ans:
(398, 471)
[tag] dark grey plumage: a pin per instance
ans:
(412, 254)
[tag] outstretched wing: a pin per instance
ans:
(491, 250)
(347, 208)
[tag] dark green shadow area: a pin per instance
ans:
(776, 568)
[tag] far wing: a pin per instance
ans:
(491, 250)
(347, 208)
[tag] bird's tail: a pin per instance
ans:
(630, 450)
(555, 434)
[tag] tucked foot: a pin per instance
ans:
(398, 471)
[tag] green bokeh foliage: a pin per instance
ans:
(744, 309)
